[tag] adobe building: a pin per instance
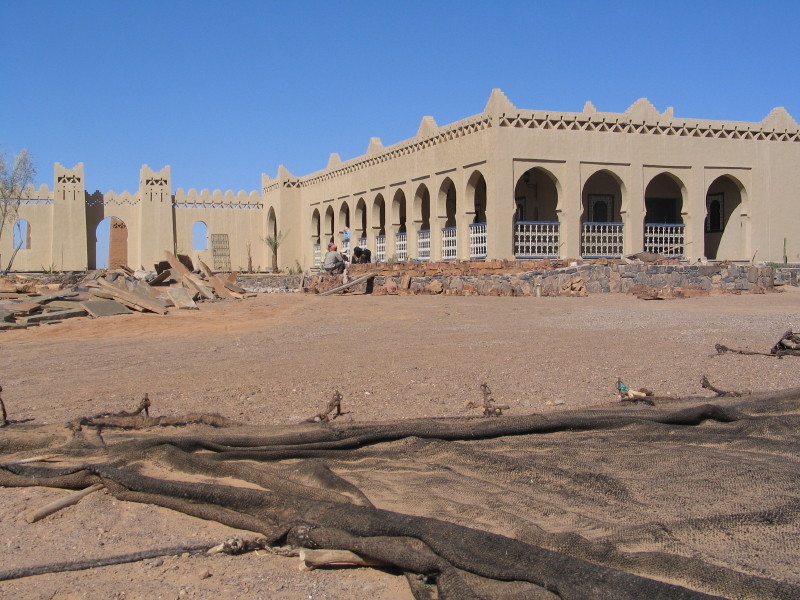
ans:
(505, 183)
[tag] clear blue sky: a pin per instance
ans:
(224, 91)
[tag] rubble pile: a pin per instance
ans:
(24, 302)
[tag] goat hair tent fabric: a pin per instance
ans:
(689, 499)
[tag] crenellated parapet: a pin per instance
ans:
(34, 196)
(240, 200)
(643, 118)
(111, 198)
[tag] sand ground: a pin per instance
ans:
(276, 359)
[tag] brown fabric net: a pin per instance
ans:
(688, 499)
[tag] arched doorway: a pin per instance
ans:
(663, 220)
(22, 235)
(111, 244)
(360, 223)
(199, 236)
(447, 206)
(476, 190)
(399, 225)
(537, 231)
(329, 225)
(422, 221)
(315, 237)
(601, 220)
(344, 224)
(273, 239)
(379, 227)
(725, 226)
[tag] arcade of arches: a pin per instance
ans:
(444, 222)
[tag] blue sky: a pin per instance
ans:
(223, 91)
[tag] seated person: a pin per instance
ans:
(361, 255)
(334, 261)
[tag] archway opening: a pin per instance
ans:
(422, 220)
(602, 229)
(22, 235)
(725, 234)
(379, 227)
(361, 222)
(447, 207)
(663, 221)
(476, 190)
(111, 244)
(199, 236)
(537, 231)
(399, 225)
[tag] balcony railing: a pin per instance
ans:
(380, 248)
(317, 255)
(477, 240)
(362, 241)
(664, 238)
(401, 246)
(424, 244)
(601, 240)
(346, 246)
(449, 239)
(537, 239)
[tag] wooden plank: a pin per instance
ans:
(349, 284)
(21, 308)
(181, 298)
(57, 295)
(175, 263)
(132, 298)
(163, 276)
(55, 315)
(104, 308)
(231, 285)
(5, 326)
(216, 283)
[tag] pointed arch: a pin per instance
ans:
(663, 220)
(602, 199)
(537, 227)
(726, 223)
(199, 236)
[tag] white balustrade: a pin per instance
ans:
(424, 244)
(317, 255)
(346, 246)
(362, 241)
(601, 240)
(380, 248)
(664, 238)
(537, 239)
(449, 239)
(401, 246)
(477, 240)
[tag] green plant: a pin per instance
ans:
(273, 242)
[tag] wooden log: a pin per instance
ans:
(56, 506)
(25, 461)
(349, 284)
(311, 559)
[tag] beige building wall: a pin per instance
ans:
(724, 190)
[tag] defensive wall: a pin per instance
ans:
(506, 183)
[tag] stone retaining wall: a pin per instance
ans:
(522, 278)
(605, 277)
(788, 275)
